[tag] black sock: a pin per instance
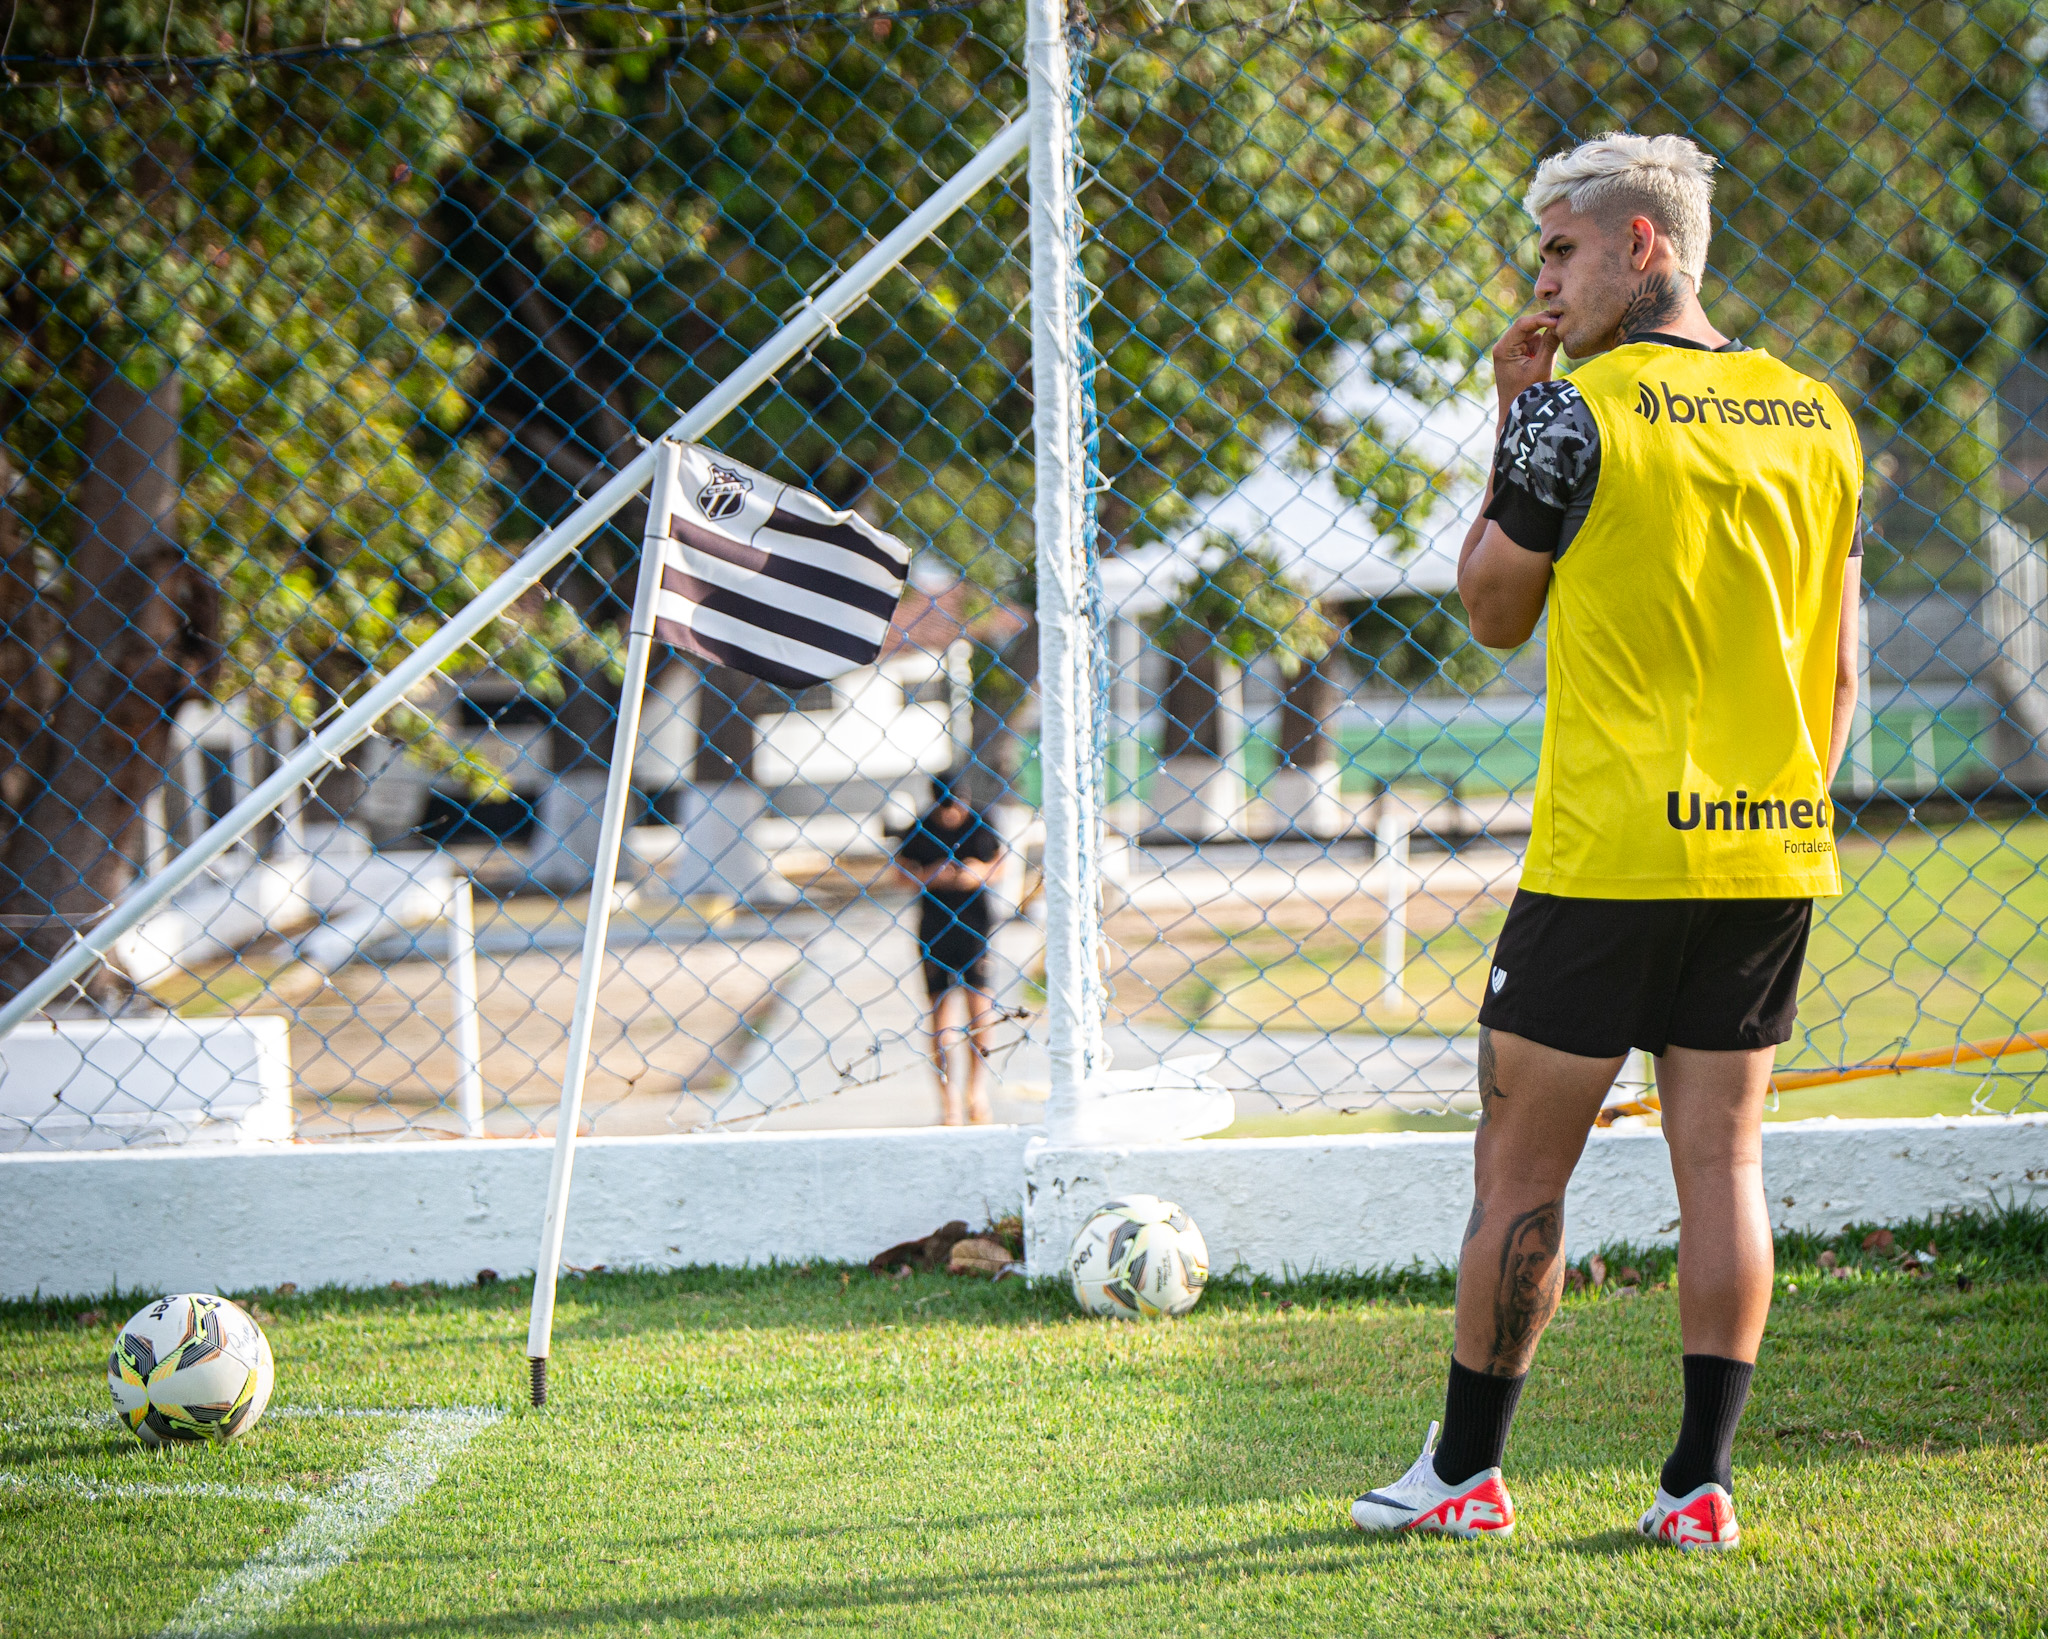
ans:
(1477, 1412)
(1715, 1390)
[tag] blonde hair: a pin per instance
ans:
(1668, 179)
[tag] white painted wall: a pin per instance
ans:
(361, 1214)
(98, 1084)
(1281, 1205)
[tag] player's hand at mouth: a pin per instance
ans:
(1523, 357)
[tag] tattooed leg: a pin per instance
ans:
(1489, 1075)
(1531, 1276)
(1511, 1266)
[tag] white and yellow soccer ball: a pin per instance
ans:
(1138, 1257)
(190, 1367)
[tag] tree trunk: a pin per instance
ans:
(137, 631)
(1194, 726)
(727, 706)
(28, 645)
(1004, 693)
(1305, 714)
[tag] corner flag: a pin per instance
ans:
(764, 577)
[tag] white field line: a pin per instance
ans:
(337, 1524)
(77, 1488)
(61, 1421)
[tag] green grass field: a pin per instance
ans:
(818, 1450)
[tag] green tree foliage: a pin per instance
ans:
(1269, 203)
(1255, 212)
(244, 224)
(1239, 599)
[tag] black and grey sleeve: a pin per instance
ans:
(1545, 468)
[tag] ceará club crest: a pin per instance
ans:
(724, 495)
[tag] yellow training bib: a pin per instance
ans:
(1693, 624)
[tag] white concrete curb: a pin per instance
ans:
(1291, 1205)
(364, 1214)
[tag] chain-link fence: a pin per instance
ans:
(311, 327)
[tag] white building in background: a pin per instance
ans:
(1331, 549)
(843, 761)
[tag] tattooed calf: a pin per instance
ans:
(1531, 1277)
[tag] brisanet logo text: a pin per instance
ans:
(1691, 409)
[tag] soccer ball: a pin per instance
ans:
(1138, 1257)
(190, 1367)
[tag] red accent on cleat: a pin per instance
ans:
(1484, 1509)
(1702, 1518)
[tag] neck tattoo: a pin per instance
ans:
(1658, 299)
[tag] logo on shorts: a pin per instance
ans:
(724, 495)
(1500, 977)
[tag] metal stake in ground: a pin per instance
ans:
(604, 876)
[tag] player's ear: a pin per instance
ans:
(1642, 243)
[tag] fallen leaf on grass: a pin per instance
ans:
(926, 1252)
(1630, 1277)
(1878, 1240)
(1964, 1283)
(91, 1317)
(977, 1255)
(1596, 1270)
(1828, 1260)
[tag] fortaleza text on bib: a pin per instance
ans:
(1741, 813)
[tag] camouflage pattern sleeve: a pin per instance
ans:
(1546, 467)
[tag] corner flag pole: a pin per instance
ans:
(604, 875)
(811, 320)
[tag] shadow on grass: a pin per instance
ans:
(1608, 1544)
(1308, 1553)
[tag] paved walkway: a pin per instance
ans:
(843, 1043)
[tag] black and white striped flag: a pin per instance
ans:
(764, 577)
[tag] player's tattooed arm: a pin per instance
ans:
(1531, 1280)
(1657, 299)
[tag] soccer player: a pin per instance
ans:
(1687, 511)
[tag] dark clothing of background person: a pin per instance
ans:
(953, 924)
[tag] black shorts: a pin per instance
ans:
(953, 942)
(1599, 976)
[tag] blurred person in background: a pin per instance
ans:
(951, 854)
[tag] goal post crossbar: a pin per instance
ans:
(812, 319)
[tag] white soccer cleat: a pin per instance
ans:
(1703, 1518)
(1419, 1501)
